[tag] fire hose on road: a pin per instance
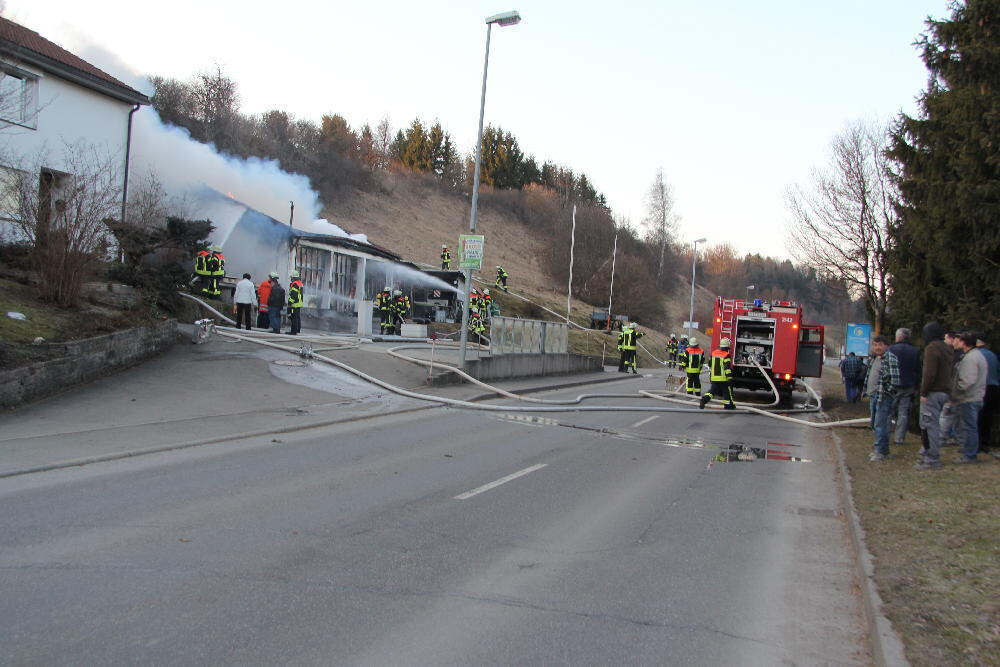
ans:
(544, 405)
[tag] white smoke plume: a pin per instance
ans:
(185, 167)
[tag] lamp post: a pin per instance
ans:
(502, 20)
(694, 259)
(750, 288)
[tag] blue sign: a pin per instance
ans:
(858, 339)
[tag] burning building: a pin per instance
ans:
(341, 272)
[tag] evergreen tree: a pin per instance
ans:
(947, 251)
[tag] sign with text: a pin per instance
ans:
(690, 325)
(470, 251)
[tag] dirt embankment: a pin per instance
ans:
(414, 219)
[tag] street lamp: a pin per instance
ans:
(694, 259)
(750, 288)
(503, 19)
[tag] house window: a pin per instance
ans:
(18, 96)
(11, 182)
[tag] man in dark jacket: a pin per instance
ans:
(275, 304)
(935, 383)
(909, 375)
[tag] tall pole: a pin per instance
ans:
(464, 339)
(694, 259)
(614, 255)
(572, 245)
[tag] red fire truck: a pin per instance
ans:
(772, 335)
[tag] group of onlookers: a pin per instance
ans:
(957, 380)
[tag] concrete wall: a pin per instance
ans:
(84, 360)
(531, 365)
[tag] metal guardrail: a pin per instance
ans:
(510, 335)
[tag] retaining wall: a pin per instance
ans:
(83, 361)
(531, 365)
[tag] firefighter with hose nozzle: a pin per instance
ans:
(721, 375)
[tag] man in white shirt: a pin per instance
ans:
(245, 298)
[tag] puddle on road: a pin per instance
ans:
(728, 452)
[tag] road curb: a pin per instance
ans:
(887, 647)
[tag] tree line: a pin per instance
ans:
(337, 157)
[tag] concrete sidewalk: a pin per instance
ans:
(221, 390)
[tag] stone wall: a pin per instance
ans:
(83, 361)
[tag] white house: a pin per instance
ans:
(50, 98)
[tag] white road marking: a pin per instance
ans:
(643, 421)
(502, 480)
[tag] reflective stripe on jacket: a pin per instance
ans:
(295, 294)
(695, 358)
(629, 338)
(263, 294)
(721, 368)
(201, 263)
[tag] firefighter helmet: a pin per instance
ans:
(294, 274)
(692, 341)
(725, 343)
(216, 248)
(387, 288)
(443, 245)
(398, 292)
(673, 336)
(272, 274)
(486, 290)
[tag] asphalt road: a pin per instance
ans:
(443, 537)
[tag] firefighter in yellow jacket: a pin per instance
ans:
(627, 343)
(296, 299)
(721, 375)
(693, 360)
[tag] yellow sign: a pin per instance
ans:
(709, 331)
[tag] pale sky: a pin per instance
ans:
(735, 100)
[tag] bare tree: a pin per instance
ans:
(660, 220)
(61, 214)
(841, 220)
(383, 142)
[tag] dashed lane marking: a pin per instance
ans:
(502, 480)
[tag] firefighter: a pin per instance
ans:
(682, 352)
(383, 301)
(217, 265)
(486, 302)
(296, 299)
(263, 292)
(629, 338)
(694, 357)
(476, 324)
(202, 271)
(445, 258)
(672, 351)
(721, 375)
(475, 300)
(400, 307)
(501, 278)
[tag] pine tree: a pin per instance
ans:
(947, 250)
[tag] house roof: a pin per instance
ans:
(27, 46)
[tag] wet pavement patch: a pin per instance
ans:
(728, 452)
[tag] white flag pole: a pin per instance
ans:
(572, 245)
